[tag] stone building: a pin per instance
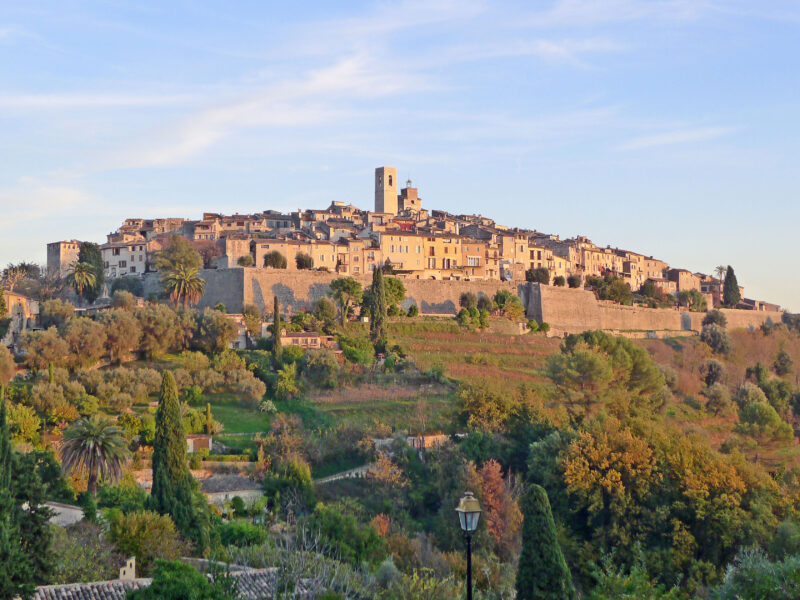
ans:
(386, 190)
(61, 256)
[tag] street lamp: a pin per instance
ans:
(469, 511)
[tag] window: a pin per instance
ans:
(419, 249)
(431, 263)
(473, 261)
(140, 258)
(390, 181)
(123, 263)
(133, 269)
(115, 252)
(355, 269)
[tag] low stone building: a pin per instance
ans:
(23, 315)
(198, 441)
(219, 489)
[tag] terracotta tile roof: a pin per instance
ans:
(254, 584)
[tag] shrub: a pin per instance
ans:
(322, 368)
(413, 310)
(241, 533)
(719, 400)
(485, 303)
(468, 300)
(715, 317)
(574, 281)
(124, 300)
(275, 259)
(303, 261)
(245, 261)
(717, 338)
(358, 350)
(132, 285)
(538, 275)
(749, 394)
(760, 419)
(250, 388)
(714, 371)
(559, 281)
(348, 540)
(82, 554)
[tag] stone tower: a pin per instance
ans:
(386, 190)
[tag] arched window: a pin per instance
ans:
(390, 181)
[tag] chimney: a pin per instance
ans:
(128, 572)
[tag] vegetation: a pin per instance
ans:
(731, 296)
(377, 311)
(304, 261)
(275, 259)
(96, 447)
(81, 278)
(347, 293)
(538, 275)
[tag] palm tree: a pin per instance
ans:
(94, 447)
(184, 283)
(81, 277)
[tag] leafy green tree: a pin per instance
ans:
(324, 310)
(90, 253)
(277, 325)
(183, 284)
(275, 259)
(43, 348)
(413, 310)
(122, 331)
(7, 366)
(55, 313)
(81, 278)
(82, 554)
(348, 540)
(178, 252)
(575, 281)
(617, 290)
(304, 261)
(322, 368)
(559, 281)
(86, 341)
(395, 291)
(94, 447)
(346, 292)
(245, 261)
(731, 296)
(752, 576)
(179, 581)
(377, 312)
(542, 573)
(146, 535)
(252, 319)
(214, 331)
(171, 493)
(538, 275)
(713, 371)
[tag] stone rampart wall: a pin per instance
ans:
(566, 310)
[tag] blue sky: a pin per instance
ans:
(670, 127)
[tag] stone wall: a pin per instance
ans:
(566, 310)
(576, 310)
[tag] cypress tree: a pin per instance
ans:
(542, 573)
(209, 418)
(50, 375)
(171, 493)
(730, 289)
(377, 306)
(24, 533)
(277, 348)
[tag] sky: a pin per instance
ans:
(667, 127)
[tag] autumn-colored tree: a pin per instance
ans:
(503, 516)
(386, 473)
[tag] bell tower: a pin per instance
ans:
(386, 190)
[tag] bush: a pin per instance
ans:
(485, 303)
(713, 372)
(275, 259)
(322, 368)
(413, 310)
(753, 576)
(178, 581)
(245, 261)
(715, 317)
(348, 540)
(574, 281)
(132, 285)
(559, 281)
(717, 338)
(303, 261)
(241, 533)
(538, 275)
(358, 350)
(468, 300)
(719, 400)
(760, 419)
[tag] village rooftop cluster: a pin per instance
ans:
(417, 242)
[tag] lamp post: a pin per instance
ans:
(469, 511)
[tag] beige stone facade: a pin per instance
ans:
(62, 255)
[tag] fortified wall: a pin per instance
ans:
(566, 310)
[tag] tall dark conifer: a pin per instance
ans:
(277, 348)
(24, 532)
(377, 306)
(171, 493)
(542, 573)
(730, 289)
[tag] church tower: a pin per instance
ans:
(386, 190)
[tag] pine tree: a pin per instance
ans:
(171, 493)
(730, 289)
(377, 309)
(277, 348)
(542, 573)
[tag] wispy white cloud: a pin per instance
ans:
(596, 12)
(683, 136)
(32, 199)
(57, 101)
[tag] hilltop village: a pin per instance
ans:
(418, 244)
